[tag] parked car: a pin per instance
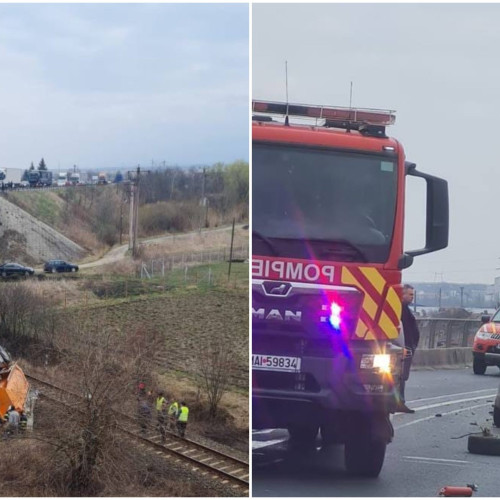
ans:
(14, 269)
(486, 347)
(59, 266)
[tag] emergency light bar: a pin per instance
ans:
(353, 116)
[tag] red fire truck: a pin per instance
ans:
(328, 191)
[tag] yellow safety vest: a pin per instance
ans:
(159, 403)
(174, 408)
(183, 417)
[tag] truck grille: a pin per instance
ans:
(284, 381)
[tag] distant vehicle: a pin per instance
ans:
(24, 184)
(40, 177)
(14, 269)
(62, 178)
(102, 178)
(74, 178)
(486, 346)
(59, 266)
(3, 174)
(95, 179)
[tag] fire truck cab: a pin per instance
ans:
(328, 191)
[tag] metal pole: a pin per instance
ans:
(231, 252)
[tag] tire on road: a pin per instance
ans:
(496, 416)
(303, 434)
(479, 366)
(483, 445)
(364, 457)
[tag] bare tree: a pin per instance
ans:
(215, 363)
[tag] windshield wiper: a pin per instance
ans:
(266, 240)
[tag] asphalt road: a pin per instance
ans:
(429, 450)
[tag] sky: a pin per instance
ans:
(437, 66)
(117, 85)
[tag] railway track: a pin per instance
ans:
(201, 458)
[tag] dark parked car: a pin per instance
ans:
(59, 266)
(14, 269)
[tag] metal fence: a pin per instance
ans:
(447, 332)
(160, 267)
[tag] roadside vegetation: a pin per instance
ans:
(96, 336)
(172, 200)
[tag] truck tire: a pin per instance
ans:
(364, 457)
(330, 435)
(479, 366)
(496, 416)
(484, 445)
(303, 434)
(4, 274)
(73, 269)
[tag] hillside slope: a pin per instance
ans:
(25, 238)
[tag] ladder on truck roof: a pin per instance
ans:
(362, 119)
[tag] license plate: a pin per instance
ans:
(275, 363)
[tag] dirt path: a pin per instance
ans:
(118, 253)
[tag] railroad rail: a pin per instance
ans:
(225, 467)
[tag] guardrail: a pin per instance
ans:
(446, 332)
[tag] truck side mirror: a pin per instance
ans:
(437, 216)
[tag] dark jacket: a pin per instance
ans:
(410, 328)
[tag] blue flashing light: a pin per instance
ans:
(335, 318)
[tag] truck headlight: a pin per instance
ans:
(382, 362)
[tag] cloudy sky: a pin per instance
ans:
(116, 85)
(437, 66)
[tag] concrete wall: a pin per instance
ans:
(41, 241)
(437, 358)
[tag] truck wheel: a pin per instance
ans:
(303, 434)
(4, 274)
(330, 435)
(496, 416)
(364, 457)
(73, 269)
(479, 366)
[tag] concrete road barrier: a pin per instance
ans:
(436, 358)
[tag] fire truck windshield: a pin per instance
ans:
(322, 203)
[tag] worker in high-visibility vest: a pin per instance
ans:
(173, 412)
(160, 403)
(182, 419)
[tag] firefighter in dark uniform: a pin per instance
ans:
(411, 337)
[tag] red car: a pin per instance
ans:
(486, 347)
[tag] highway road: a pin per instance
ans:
(429, 450)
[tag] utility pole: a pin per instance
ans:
(462, 297)
(231, 252)
(202, 198)
(134, 208)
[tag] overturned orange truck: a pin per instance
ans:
(14, 387)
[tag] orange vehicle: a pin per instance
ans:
(328, 191)
(13, 384)
(486, 347)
